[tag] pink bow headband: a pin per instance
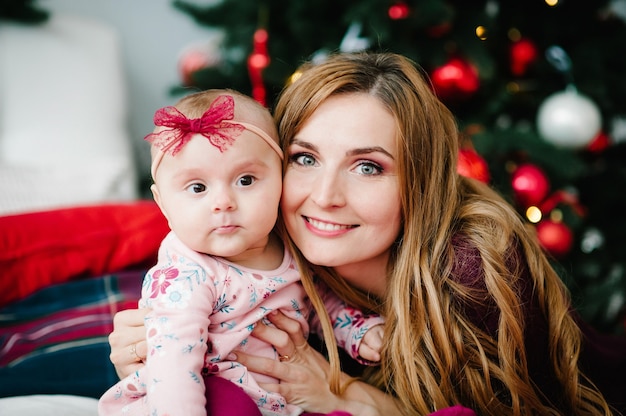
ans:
(216, 124)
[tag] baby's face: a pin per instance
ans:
(221, 203)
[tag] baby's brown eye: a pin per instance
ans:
(196, 188)
(246, 180)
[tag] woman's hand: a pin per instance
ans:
(303, 372)
(128, 341)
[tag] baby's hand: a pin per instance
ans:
(372, 344)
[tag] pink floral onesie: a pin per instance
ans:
(203, 308)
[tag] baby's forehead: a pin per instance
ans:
(246, 151)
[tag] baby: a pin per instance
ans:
(217, 172)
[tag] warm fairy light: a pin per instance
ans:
(510, 166)
(556, 215)
(552, 3)
(533, 214)
(294, 77)
(513, 87)
(514, 34)
(261, 36)
(481, 32)
(259, 60)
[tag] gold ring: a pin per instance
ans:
(283, 358)
(133, 352)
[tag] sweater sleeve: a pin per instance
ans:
(181, 300)
(603, 356)
(603, 360)
(349, 324)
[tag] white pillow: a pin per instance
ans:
(63, 131)
(49, 405)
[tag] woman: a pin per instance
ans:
(374, 207)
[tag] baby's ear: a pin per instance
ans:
(157, 199)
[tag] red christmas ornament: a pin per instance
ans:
(258, 60)
(599, 143)
(472, 165)
(555, 237)
(196, 57)
(398, 11)
(530, 185)
(439, 30)
(189, 63)
(522, 54)
(456, 80)
(566, 198)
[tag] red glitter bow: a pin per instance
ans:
(211, 125)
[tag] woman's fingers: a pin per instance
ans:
(127, 358)
(303, 381)
(301, 371)
(128, 341)
(286, 336)
(290, 326)
(141, 350)
(274, 336)
(263, 365)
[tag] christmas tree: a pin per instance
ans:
(24, 11)
(537, 88)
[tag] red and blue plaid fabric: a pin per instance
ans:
(55, 341)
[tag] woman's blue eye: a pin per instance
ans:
(196, 188)
(369, 168)
(303, 159)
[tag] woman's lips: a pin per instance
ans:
(328, 228)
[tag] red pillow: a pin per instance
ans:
(43, 248)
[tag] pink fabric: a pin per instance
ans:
(457, 410)
(227, 399)
(203, 308)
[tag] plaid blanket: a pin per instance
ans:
(55, 340)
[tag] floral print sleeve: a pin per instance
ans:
(349, 324)
(181, 296)
(202, 308)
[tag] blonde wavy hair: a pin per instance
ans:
(435, 356)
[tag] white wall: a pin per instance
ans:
(153, 35)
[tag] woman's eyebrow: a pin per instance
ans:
(304, 144)
(367, 150)
(353, 152)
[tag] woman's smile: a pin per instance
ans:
(329, 228)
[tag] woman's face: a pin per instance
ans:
(341, 196)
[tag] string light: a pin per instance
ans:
(533, 214)
(481, 32)
(556, 215)
(514, 34)
(294, 77)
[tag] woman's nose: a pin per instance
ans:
(327, 190)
